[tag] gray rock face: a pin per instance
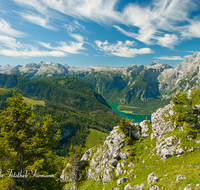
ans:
(170, 79)
(63, 176)
(167, 147)
(136, 129)
(121, 180)
(107, 174)
(159, 125)
(87, 154)
(144, 128)
(152, 178)
(124, 154)
(104, 161)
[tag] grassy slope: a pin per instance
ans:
(34, 102)
(2, 90)
(94, 138)
(27, 100)
(146, 161)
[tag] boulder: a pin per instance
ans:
(166, 147)
(124, 155)
(136, 129)
(144, 126)
(107, 174)
(121, 180)
(180, 177)
(152, 178)
(106, 178)
(190, 150)
(187, 188)
(128, 186)
(155, 187)
(118, 171)
(179, 151)
(139, 187)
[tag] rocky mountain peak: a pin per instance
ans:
(153, 63)
(185, 76)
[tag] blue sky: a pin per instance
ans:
(82, 33)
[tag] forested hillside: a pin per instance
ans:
(70, 101)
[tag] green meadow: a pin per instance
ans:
(95, 137)
(34, 102)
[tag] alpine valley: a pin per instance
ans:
(143, 88)
(97, 149)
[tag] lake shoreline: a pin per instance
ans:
(137, 117)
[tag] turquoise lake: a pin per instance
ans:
(137, 118)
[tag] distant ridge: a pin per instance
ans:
(147, 87)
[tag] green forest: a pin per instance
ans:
(70, 101)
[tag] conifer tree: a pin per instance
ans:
(26, 148)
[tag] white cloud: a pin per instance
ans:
(78, 25)
(170, 19)
(72, 47)
(16, 49)
(37, 5)
(170, 58)
(27, 53)
(78, 37)
(73, 26)
(98, 10)
(5, 29)
(169, 40)
(192, 30)
(143, 36)
(159, 18)
(9, 42)
(121, 49)
(36, 19)
(70, 28)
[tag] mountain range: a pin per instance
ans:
(144, 87)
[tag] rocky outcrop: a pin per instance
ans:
(159, 125)
(136, 129)
(168, 147)
(144, 127)
(109, 159)
(105, 160)
(152, 178)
